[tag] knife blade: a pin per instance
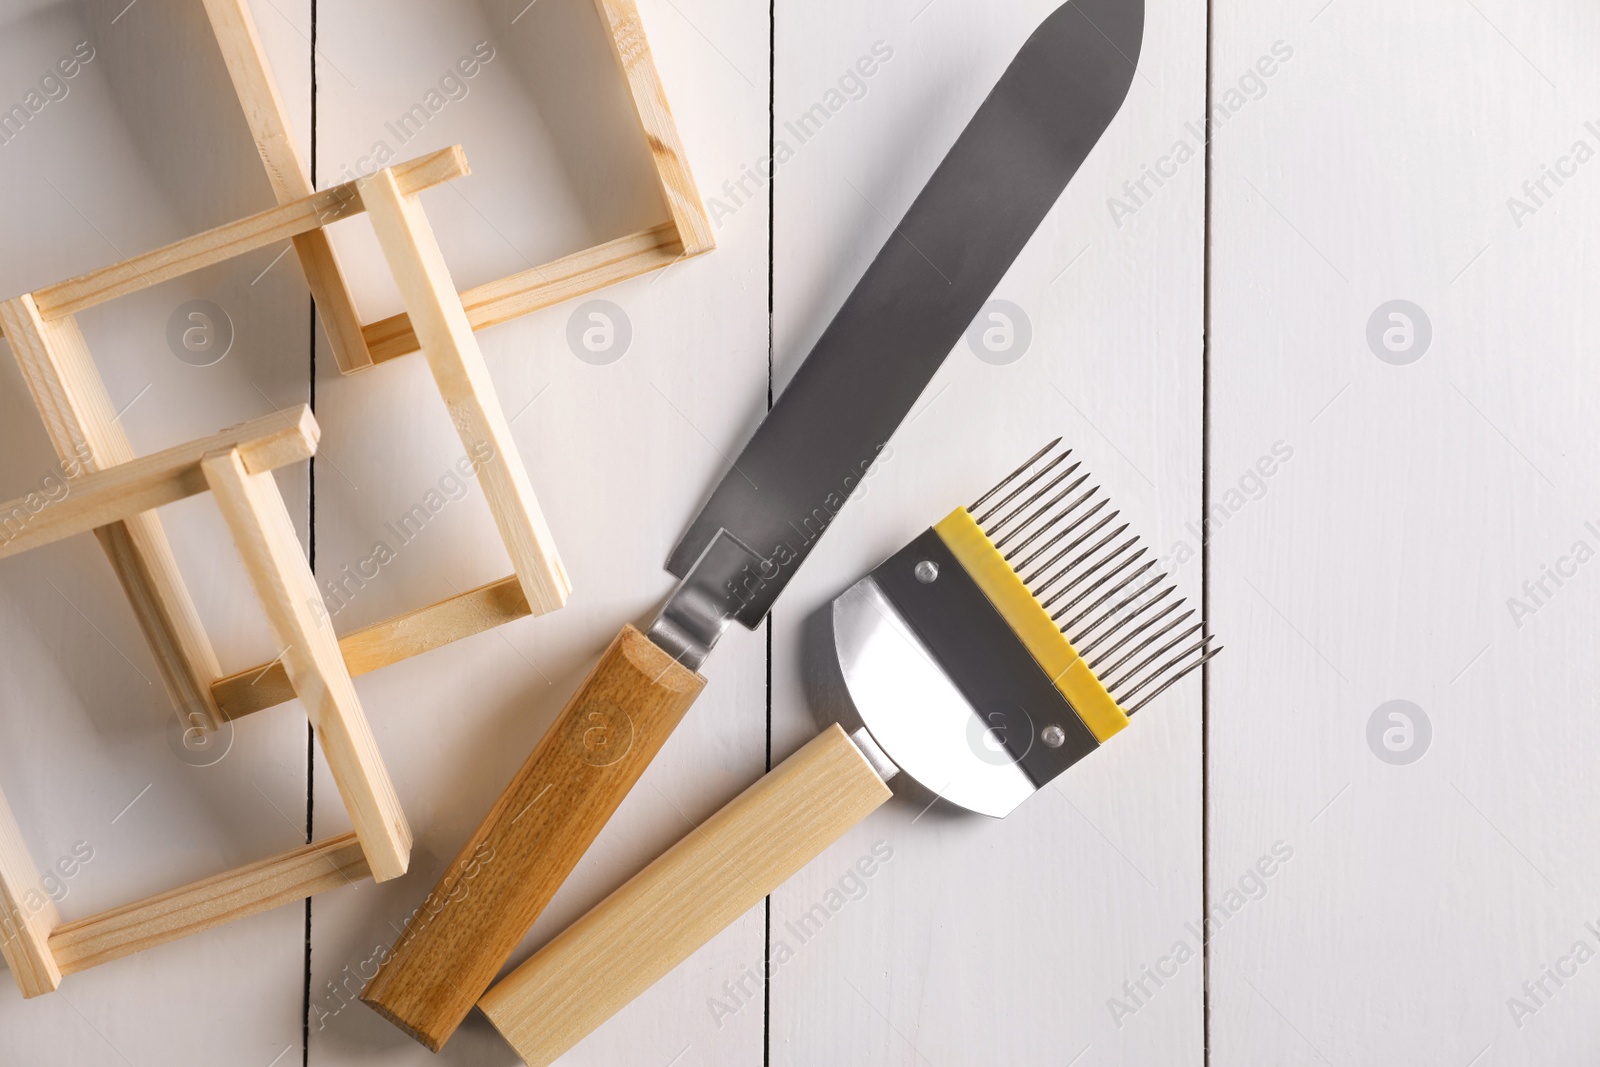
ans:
(977, 211)
(980, 207)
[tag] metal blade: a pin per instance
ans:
(911, 307)
(916, 714)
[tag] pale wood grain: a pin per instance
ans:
(381, 644)
(532, 837)
(257, 90)
(265, 537)
(82, 425)
(463, 379)
(632, 50)
(233, 239)
(27, 913)
(209, 902)
(540, 287)
(663, 914)
(120, 492)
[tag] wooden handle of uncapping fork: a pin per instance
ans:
(534, 835)
(682, 900)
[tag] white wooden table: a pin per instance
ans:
(1189, 335)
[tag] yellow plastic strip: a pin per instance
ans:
(1031, 623)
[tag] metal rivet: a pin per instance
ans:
(1053, 736)
(926, 571)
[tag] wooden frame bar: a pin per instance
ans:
(264, 534)
(210, 902)
(119, 492)
(687, 233)
(531, 290)
(27, 913)
(233, 239)
(390, 641)
(463, 380)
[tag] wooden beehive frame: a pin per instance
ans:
(356, 346)
(236, 466)
(114, 493)
(83, 428)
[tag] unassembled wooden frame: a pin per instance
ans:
(356, 346)
(113, 493)
(236, 466)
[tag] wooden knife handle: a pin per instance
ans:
(682, 900)
(532, 838)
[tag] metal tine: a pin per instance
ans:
(1026, 504)
(1090, 532)
(1080, 638)
(1133, 671)
(1107, 595)
(1064, 531)
(1032, 478)
(1061, 535)
(1171, 662)
(1102, 580)
(1135, 615)
(1170, 682)
(1198, 646)
(1096, 644)
(1050, 523)
(1067, 627)
(1142, 645)
(1157, 617)
(1064, 571)
(1007, 479)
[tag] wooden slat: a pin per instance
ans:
(27, 914)
(236, 238)
(235, 31)
(210, 902)
(632, 50)
(83, 428)
(266, 539)
(119, 492)
(266, 685)
(463, 380)
(540, 287)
